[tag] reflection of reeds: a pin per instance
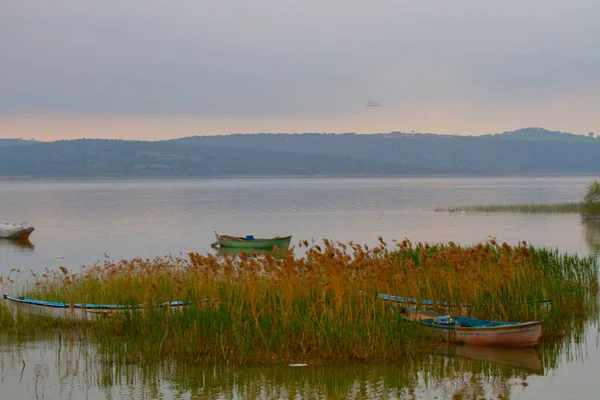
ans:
(285, 308)
(591, 231)
(76, 371)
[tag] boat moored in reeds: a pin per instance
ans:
(475, 331)
(78, 311)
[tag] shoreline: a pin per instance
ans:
(324, 176)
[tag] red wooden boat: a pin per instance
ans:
(457, 329)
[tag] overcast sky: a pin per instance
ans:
(466, 66)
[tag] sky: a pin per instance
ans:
(152, 70)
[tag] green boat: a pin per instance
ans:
(233, 251)
(250, 242)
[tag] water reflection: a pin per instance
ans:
(69, 367)
(591, 232)
(524, 359)
(17, 244)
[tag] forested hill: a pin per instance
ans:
(15, 142)
(527, 151)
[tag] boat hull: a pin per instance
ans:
(22, 236)
(233, 251)
(67, 313)
(16, 231)
(527, 334)
(242, 243)
(77, 312)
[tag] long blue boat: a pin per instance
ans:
(412, 300)
(78, 311)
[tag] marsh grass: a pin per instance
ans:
(319, 307)
(562, 208)
(585, 209)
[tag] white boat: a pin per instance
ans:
(9, 230)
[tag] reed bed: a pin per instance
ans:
(319, 307)
(586, 210)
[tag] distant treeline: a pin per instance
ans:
(526, 151)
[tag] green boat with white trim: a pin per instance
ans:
(250, 242)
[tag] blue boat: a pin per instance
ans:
(78, 311)
(412, 300)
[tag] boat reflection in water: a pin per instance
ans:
(17, 244)
(526, 359)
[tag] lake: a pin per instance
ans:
(82, 222)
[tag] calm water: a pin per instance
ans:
(79, 222)
(68, 369)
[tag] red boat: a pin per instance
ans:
(475, 331)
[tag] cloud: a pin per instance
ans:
(276, 57)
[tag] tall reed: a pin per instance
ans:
(533, 208)
(321, 306)
(585, 209)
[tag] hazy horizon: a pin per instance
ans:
(60, 127)
(140, 70)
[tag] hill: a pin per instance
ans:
(528, 151)
(540, 134)
(15, 142)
